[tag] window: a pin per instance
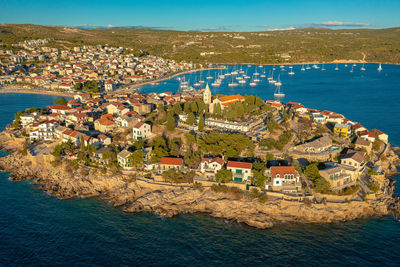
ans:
(277, 182)
(277, 175)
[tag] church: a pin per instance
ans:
(222, 101)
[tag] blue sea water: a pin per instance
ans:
(36, 229)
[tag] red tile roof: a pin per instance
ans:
(282, 170)
(241, 165)
(171, 161)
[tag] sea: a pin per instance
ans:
(39, 230)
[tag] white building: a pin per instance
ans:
(211, 164)
(141, 131)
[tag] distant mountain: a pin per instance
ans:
(274, 47)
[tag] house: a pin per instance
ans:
(241, 171)
(109, 86)
(43, 131)
(59, 109)
(363, 144)
(284, 179)
(123, 159)
(357, 128)
(353, 159)
(126, 121)
(27, 119)
(321, 144)
(298, 108)
(373, 134)
(104, 125)
(211, 164)
(318, 117)
(99, 155)
(104, 139)
(167, 163)
(338, 177)
(141, 131)
(342, 130)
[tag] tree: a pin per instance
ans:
(269, 157)
(190, 119)
(137, 158)
(223, 176)
(61, 101)
(201, 122)
(170, 122)
(312, 173)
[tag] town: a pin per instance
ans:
(32, 64)
(269, 148)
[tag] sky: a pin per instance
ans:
(204, 15)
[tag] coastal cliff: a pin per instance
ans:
(134, 195)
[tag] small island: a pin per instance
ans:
(231, 156)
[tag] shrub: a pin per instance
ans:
(198, 186)
(374, 187)
(263, 198)
(351, 190)
(307, 202)
(233, 192)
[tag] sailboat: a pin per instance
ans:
(273, 68)
(345, 65)
(352, 67)
(291, 71)
(323, 68)
(263, 74)
(232, 84)
(278, 94)
(200, 80)
(209, 77)
(362, 68)
(271, 79)
(380, 67)
(302, 68)
(308, 67)
(337, 68)
(278, 83)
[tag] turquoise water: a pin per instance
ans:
(36, 229)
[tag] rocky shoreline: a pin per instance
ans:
(133, 195)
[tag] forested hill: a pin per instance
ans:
(302, 45)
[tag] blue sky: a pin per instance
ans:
(206, 15)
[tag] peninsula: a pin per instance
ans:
(236, 157)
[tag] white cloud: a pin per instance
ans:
(340, 24)
(282, 29)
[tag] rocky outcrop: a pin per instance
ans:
(64, 181)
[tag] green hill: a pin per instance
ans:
(303, 45)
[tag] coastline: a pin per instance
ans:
(168, 200)
(32, 91)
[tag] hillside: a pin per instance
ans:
(303, 45)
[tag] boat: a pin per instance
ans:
(260, 66)
(278, 83)
(345, 65)
(352, 67)
(291, 71)
(252, 84)
(197, 84)
(362, 68)
(302, 68)
(242, 81)
(273, 68)
(337, 68)
(249, 66)
(271, 79)
(256, 80)
(380, 67)
(323, 68)
(232, 84)
(308, 67)
(315, 66)
(278, 94)
(215, 84)
(256, 73)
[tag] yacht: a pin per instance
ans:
(362, 68)
(278, 83)
(302, 68)
(252, 84)
(256, 80)
(380, 67)
(345, 65)
(337, 68)
(278, 94)
(232, 84)
(352, 67)
(291, 71)
(315, 66)
(242, 81)
(323, 68)
(273, 68)
(308, 67)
